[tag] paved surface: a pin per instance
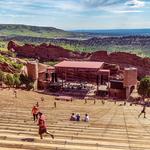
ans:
(111, 127)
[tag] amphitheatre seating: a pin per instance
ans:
(111, 127)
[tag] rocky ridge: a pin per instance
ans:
(49, 52)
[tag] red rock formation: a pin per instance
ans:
(43, 51)
(51, 52)
(124, 60)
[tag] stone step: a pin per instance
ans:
(4, 148)
(65, 146)
(71, 132)
(82, 138)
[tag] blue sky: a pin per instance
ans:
(77, 14)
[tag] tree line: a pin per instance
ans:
(16, 80)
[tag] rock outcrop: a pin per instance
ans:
(124, 60)
(43, 51)
(51, 52)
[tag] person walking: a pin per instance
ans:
(143, 111)
(35, 111)
(42, 126)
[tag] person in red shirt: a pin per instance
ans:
(42, 126)
(35, 111)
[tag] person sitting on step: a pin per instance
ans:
(73, 117)
(86, 118)
(78, 117)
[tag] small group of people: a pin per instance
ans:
(41, 121)
(76, 117)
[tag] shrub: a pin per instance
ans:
(27, 81)
(2, 76)
(17, 81)
(144, 87)
(9, 80)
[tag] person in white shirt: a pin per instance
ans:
(86, 118)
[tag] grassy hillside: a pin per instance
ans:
(34, 31)
(76, 41)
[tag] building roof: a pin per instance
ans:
(80, 64)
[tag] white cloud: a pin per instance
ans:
(127, 11)
(135, 3)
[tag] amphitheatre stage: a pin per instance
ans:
(111, 126)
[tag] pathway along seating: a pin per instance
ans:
(111, 127)
(64, 98)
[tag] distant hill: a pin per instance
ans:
(12, 30)
(35, 31)
(127, 40)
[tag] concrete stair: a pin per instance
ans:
(111, 127)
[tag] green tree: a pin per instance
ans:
(144, 87)
(17, 81)
(9, 80)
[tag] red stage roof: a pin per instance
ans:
(80, 64)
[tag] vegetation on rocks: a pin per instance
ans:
(144, 87)
(12, 63)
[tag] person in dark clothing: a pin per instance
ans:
(15, 93)
(143, 111)
(78, 117)
(54, 104)
(37, 104)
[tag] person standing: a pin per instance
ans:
(42, 126)
(37, 104)
(15, 93)
(54, 104)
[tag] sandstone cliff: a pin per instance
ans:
(51, 52)
(124, 60)
(43, 51)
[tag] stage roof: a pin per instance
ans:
(80, 64)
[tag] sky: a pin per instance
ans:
(77, 14)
